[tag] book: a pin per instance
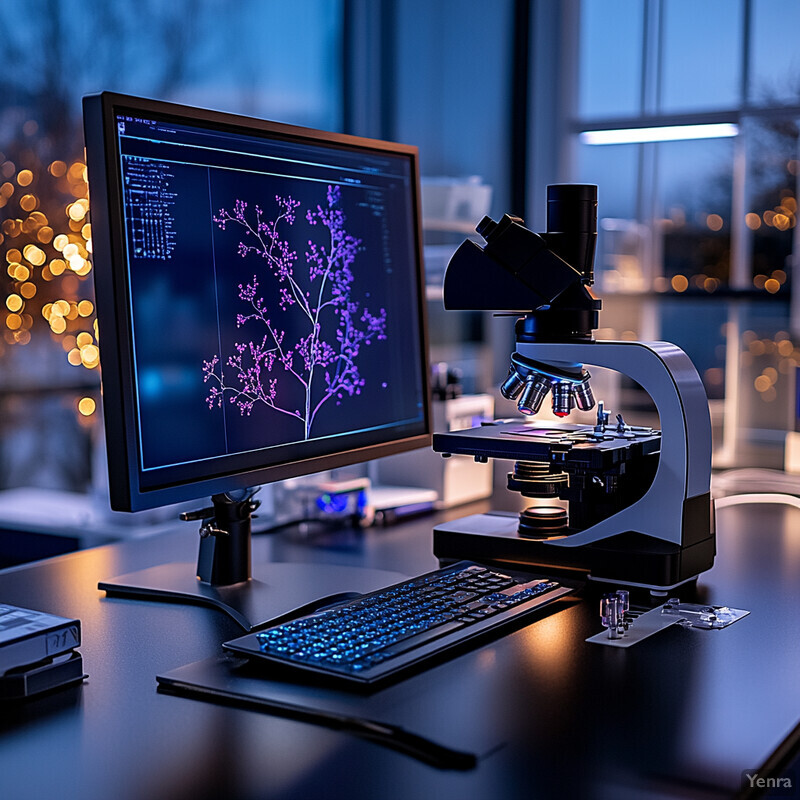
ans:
(28, 636)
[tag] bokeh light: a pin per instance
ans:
(46, 243)
(86, 406)
(680, 283)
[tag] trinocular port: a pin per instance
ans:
(529, 382)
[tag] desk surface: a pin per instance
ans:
(682, 714)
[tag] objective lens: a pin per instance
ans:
(533, 395)
(512, 385)
(563, 398)
(584, 397)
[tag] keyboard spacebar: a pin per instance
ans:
(421, 638)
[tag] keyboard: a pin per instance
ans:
(381, 635)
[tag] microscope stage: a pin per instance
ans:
(532, 441)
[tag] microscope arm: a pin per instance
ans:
(683, 474)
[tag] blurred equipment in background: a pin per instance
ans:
(456, 480)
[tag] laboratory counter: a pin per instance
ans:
(685, 713)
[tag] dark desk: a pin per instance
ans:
(682, 714)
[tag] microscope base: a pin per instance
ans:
(632, 559)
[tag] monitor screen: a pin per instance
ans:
(259, 298)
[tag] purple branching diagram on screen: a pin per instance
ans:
(331, 325)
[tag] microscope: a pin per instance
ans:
(638, 508)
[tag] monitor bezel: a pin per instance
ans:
(126, 489)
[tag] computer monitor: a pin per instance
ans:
(261, 314)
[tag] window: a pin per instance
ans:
(703, 229)
(277, 60)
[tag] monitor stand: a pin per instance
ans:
(223, 577)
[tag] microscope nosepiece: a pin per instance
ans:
(529, 382)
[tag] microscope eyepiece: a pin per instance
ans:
(485, 227)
